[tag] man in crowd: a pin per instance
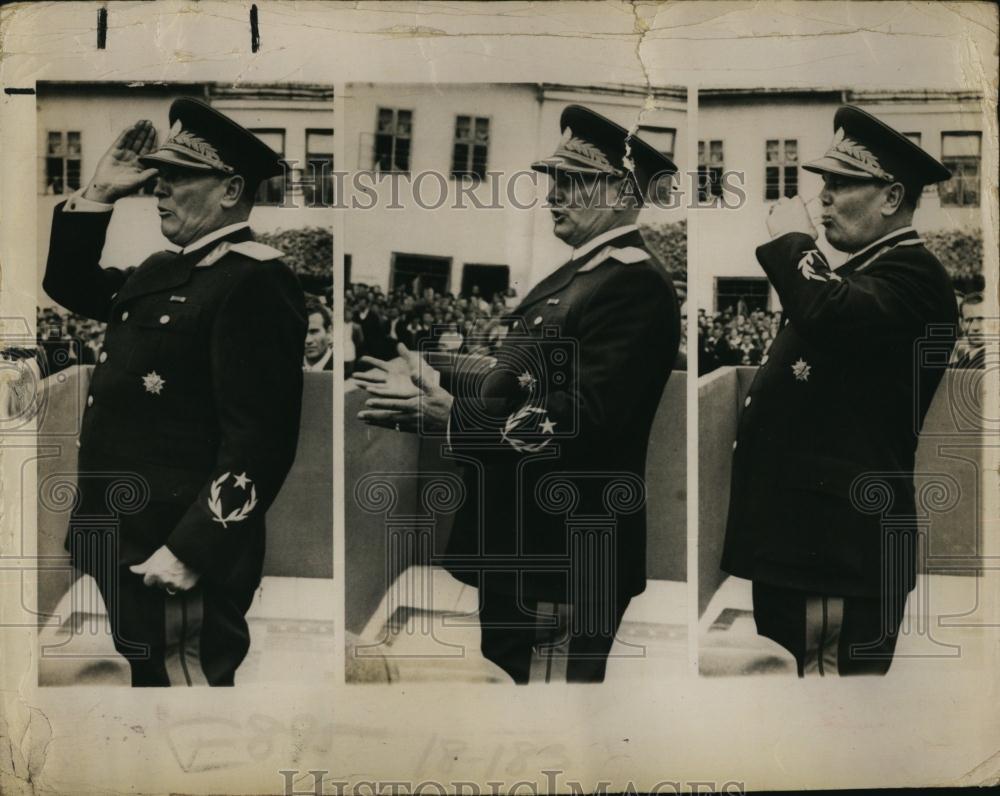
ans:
(393, 326)
(353, 341)
(192, 412)
(836, 410)
(368, 320)
(567, 405)
(319, 337)
(972, 352)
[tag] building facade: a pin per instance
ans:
(443, 148)
(766, 135)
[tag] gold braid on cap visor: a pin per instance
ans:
(187, 143)
(849, 151)
(585, 153)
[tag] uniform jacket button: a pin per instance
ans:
(103, 357)
(735, 443)
(164, 319)
(748, 401)
(538, 320)
(78, 443)
(90, 400)
(125, 315)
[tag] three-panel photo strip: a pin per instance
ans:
(552, 415)
(516, 324)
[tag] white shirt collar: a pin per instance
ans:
(604, 237)
(204, 240)
(320, 363)
(894, 234)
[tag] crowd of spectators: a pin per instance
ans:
(466, 324)
(65, 339)
(735, 336)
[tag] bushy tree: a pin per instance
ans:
(669, 243)
(308, 250)
(961, 253)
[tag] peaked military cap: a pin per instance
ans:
(867, 148)
(593, 144)
(201, 138)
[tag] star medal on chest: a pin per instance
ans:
(526, 381)
(153, 382)
(801, 370)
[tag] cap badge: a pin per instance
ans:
(585, 152)
(186, 142)
(844, 147)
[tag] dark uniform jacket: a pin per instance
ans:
(822, 496)
(555, 433)
(192, 416)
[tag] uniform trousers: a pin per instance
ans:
(560, 639)
(197, 637)
(828, 634)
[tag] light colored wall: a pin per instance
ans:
(727, 238)
(524, 126)
(493, 236)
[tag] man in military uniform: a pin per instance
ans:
(822, 502)
(192, 413)
(555, 427)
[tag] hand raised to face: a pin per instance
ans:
(790, 215)
(119, 172)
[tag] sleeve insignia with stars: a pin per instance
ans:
(239, 514)
(528, 420)
(810, 261)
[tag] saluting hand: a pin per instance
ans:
(119, 172)
(165, 570)
(420, 404)
(789, 214)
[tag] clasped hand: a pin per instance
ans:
(406, 393)
(165, 570)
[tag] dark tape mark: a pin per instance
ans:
(18, 91)
(254, 29)
(102, 28)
